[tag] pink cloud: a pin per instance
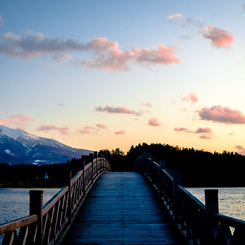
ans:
(110, 57)
(120, 132)
(47, 128)
(90, 130)
(175, 17)
(101, 126)
(205, 133)
(219, 38)
(147, 104)
(203, 136)
(119, 109)
(84, 131)
(87, 130)
(161, 55)
(18, 120)
(106, 54)
(222, 115)
(184, 130)
(232, 133)
(203, 130)
(192, 97)
(241, 149)
(154, 122)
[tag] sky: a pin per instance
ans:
(103, 74)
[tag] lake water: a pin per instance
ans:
(231, 200)
(14, 203)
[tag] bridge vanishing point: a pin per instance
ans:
(147, 206)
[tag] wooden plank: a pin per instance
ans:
(122, 208)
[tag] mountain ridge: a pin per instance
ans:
(20, 147)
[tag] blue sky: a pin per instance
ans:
(107, 74)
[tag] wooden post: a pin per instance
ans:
(95, 157)
(91, 158)
(148, 165)
(99, 164)
(162, 164)
(84, 184)
(212, 206)
(177, 181)
(70, 197)
(103, 163)
(36, 207)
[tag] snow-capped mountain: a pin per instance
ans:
(20, 147)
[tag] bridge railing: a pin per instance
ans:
(48, 224)
(199, 223)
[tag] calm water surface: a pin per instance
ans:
(14, 203)
(231, 200)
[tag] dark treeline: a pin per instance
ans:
(46, 176)
(27, 175)
(197, 167)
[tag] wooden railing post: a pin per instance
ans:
(162, 164)
(95, 157)
(36, 207)
(212, 206)
(84, 184)
(176, 181)
(91, 159)
(70, 197)
(102, 163)
(148, 163)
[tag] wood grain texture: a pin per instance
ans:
(122, 208)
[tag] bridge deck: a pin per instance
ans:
(121, 208)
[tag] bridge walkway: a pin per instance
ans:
(122, 208)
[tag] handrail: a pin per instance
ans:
(54, 199)
(233, 222)
(47, 225)
(199, 223)
(5, 228)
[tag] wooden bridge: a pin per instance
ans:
(148, 206)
